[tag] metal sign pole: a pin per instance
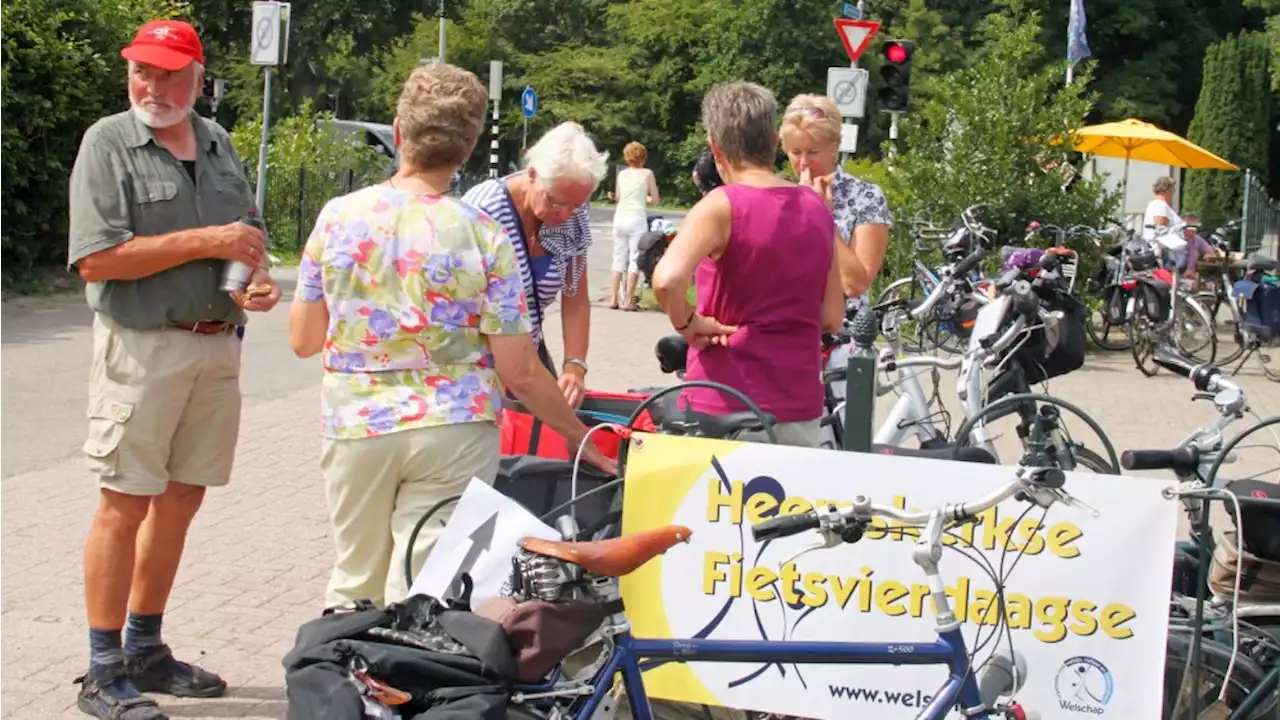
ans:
(262, 148)
(524, 139)
(442, 31)
(270, 47)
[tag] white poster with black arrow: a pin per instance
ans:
(479, 540)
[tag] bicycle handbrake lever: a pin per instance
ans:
(830, 539)
(1067, 498)
(833, 529)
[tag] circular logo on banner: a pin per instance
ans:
(1084, 685)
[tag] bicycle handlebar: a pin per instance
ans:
(1206, 377)
(1041, 486)
(1181, 459)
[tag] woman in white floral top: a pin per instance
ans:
(415, 302)
(811, 138)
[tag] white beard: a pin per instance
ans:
(157, 118)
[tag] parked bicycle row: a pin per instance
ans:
(1140, 295)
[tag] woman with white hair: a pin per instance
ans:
(544, 210)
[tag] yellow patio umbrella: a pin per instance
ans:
(1137, 140)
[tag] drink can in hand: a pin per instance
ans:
(236, 275)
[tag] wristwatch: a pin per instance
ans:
(577, 361)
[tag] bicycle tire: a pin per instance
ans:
(1202, 315)
(1092, 461)
(1091, 326)
(1214, 659)
(1139, 347)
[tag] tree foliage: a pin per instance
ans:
(1233, 119)
(308, 162)
(62, 71)
(992, 133)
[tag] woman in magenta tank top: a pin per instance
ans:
(762, 251)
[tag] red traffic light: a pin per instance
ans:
(896, 53)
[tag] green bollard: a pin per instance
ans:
(860, 384)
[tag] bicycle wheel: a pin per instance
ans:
(1142, 343)
(1194, 335)
(1102, 332)
(1180, 687)
(1090, 461)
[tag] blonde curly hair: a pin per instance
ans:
(812, 114)
(440, 116)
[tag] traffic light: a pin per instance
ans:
(895, 75)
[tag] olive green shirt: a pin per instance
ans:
(125, 184)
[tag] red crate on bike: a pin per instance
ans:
(523, 434)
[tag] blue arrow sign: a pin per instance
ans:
(852, 12)
(528, 102)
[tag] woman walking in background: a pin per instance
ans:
(811, 138)
(637, 189)
(416, 303)
(544, 210)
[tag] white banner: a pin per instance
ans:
(1088, 601)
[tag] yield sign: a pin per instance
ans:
(856, 35)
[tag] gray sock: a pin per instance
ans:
(142, 632)
(104, 648)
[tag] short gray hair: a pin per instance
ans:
(1163, 184)
(742, 120)
(567, 152)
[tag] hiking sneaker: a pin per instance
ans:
(107, 693)
(156, 670)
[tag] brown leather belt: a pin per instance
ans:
(204, 328)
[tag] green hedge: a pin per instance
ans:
(62, 71)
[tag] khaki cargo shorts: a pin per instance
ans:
(164, 405)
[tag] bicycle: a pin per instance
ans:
(1249, 340)
(1002, 340)
(1243, 692)
(551, 570)
(1167, 313)
(947, 313)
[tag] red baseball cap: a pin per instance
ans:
(167, 44)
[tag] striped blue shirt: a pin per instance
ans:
(567, 243)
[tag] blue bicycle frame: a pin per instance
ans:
(961, 687)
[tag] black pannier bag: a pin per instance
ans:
(1259, 525)
(1153, 296)
(543, 484)
(1059, 347)
(451, 664)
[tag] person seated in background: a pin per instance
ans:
(1184, 260)
(756, 232)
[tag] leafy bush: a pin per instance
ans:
(62, 71)
(991, 133)
(308, 164)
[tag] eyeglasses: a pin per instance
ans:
(558, 205)
(809, 111)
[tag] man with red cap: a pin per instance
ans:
(156, 194)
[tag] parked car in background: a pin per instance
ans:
(379, 136)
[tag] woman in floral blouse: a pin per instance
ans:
(415, 302)
(811, 138)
